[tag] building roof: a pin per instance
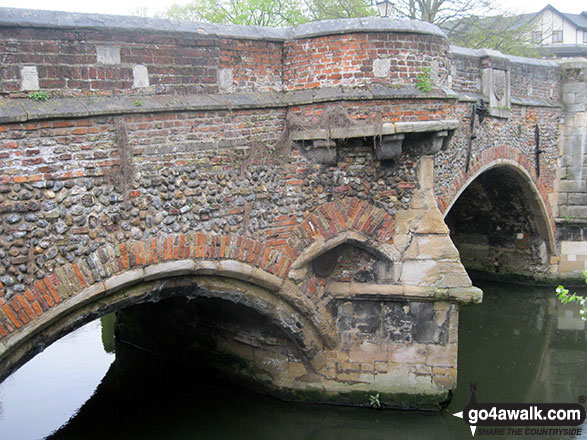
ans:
(579, 20)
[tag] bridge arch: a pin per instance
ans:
(58, 305)
(507, 182)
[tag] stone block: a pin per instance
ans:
(140, 76)
(455, 279)
(407, 354)
(107, 54)
(432, 247)
(368, 352)
(29, 78)
(575, 108)
(234, 269)
(442, 355)
(296, 369)
(577, 211)
(171, 268)
(56, 108)
(381, 67)
(569, 98)
(576, 199)
(575, 87)
(225, 78)
(415, 272)
(573, 186)
(381, 367)
(11, 111)
(566, 266)
(574, 247)
(123, 280)
(433, 223)
(444, 377)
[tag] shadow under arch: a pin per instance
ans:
(162, 281)
(501, 206)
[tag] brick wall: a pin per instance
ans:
(70, 62)
(351, 60)
(76, 61)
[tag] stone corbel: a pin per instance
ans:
(425, 137)
(323, 151)
(390, 147)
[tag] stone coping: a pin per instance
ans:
(573, 63)
(523, 102)
(22, 110)
(464, 295)
(15, 17)
(374, 130)
(490, 53)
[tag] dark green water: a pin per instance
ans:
(520, 345)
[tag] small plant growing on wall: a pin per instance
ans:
(374, 401)
(40, 96)
(424, 80)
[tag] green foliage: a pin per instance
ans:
(424, 81)
(327, 9)
(40, 96)
(244, 12)
(138, 103)
(565, 298)
(507, 34)
(269, 12)
(374, 401)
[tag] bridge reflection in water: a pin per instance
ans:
(520, 345)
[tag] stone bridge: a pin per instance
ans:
(275, 198)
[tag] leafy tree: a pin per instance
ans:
(507, 34)
(246, 12)
(325, 9)
(440, 11)
(465, 21)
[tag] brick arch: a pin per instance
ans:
(519, 163)
(105, 276)
(329, 223)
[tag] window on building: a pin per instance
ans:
(557, 36)
(536, 37)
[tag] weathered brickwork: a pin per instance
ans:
(253, 65)
(297, 173)
(67, 61)
(348, 60)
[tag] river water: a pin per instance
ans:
(520, 345)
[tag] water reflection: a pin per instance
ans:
(520, 345)
(44, 393)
